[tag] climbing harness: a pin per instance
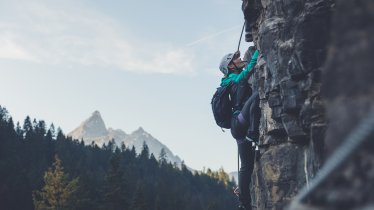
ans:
(354, 140)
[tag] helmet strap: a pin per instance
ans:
(236, 67)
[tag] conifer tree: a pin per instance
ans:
(144, 154)
(223, 177)
(138, 202)
(3, 113)
(115, 194)
(27, 125)
(52, 130)
(133, 151)
(19, 130)
(162, 156)
(27, 152)
(58, 191)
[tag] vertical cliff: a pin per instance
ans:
(316, 83)
(348, 88)
(292, 37)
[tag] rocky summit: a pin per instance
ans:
(93, 130)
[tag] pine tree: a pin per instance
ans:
(133, 151)
(19, 130)
(58, 191)
(138, 202)
(52, 130)
(162, 156)
(3, 113)
(27, 125)
(223, 177)
(144, 154)
(115, 194)
(40, 128)
(26, 153)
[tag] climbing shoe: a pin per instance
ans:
(252, 139)
(242, 207)
(252, 136)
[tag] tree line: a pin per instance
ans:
(41, 168)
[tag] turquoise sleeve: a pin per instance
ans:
(248, 68)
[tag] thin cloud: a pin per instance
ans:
(69, 33)
(11, 50)
(212, 36)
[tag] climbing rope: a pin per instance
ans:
(355, 139)
(240, 39)
(238, 164)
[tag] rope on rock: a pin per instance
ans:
(354, 140)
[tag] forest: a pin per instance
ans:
(42, 168)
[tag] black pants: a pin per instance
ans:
(246, 123)
(247, 157)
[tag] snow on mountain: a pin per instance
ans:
(93, 127)
(139, 136)
(93, 130)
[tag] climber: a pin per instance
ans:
(246, 116)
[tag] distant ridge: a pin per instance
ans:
(93, 130)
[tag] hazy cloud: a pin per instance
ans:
(210, 36)
(66, 32)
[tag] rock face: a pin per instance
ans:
(348, 87)
(292, 37)
(316, 67)
(93, 127)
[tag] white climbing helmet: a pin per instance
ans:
(225, 62)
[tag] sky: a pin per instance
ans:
(152, 64)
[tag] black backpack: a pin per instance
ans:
(222, 106)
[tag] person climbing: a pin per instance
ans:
(245, 118)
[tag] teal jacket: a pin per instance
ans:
(239, 77)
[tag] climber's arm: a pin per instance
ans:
(248, 68)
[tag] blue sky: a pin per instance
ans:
(151, 64)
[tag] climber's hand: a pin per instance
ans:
(237, 54)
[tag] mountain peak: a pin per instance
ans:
(94, 126)
(140, 129)
(96, 113)
(94, 130)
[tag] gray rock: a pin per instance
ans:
(292, 37)
(293, 128)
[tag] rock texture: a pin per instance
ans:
(348, 87)
(292, 37)
(91, 128)
(316, 83)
